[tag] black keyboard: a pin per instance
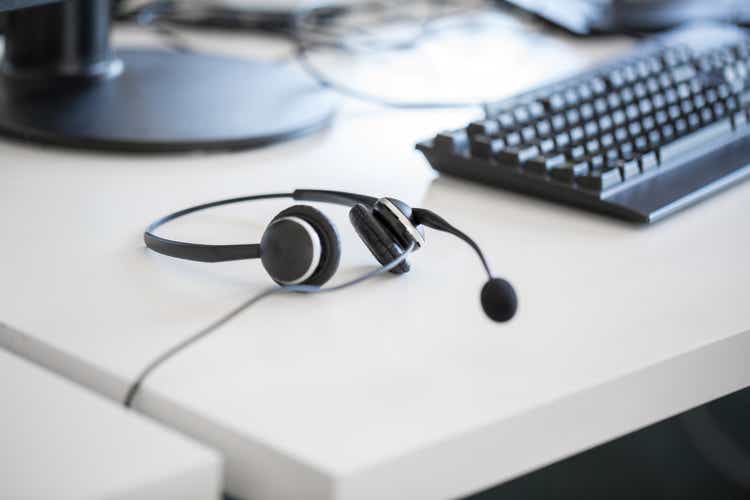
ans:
(639, 138)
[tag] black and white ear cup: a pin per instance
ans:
(300, 246)
(381, 243)
(397, 218)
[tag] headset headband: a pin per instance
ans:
(223, 253)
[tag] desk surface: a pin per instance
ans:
(399, 388)
(60, 441)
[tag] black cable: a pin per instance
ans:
(212, 327)
(304, 23)
(326, 82)
(302, 49)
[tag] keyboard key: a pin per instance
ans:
(576, 134)
(627, 151)
(598, 86)
(585, 92)
(614, 101)
(694, 121)
(600, 106)
(562, 140)
(648, 123)
(569, 171)
(528, 134)
(577, 153)
(681, 126)
(659, 101)
(544, 128)
(621, 134)
(558, 123)
(573, 116)
(536, 109)
(628, 168)
(661, 117)
(720, 110)
(547, 146)
(600, 180)
(635, 129)
(556, 102)
(707, 116)
(452, 142)
(592, 146)
(732, 103)
(506, 121)
(678, 148)
(486, 147)
(527, 153)
(619, 118)
(648, 161)
(571, 97)
(640, 91)
(699, 101)
(591, 129)
(632, 112)
(682, 73)
(667, 132)
(513, 139)
(605, 123)
(674, 112)
(739, 119)
(630, 73)
(645, 106)
(483, 127)
(542, 164)
(654, 138)
(521, 114)
(665, 81)
(596, 162)
(587, 111)
(683, 91)
(616, 79)
(627, 96)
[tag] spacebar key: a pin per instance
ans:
(690, 142)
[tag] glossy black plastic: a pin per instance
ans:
(62, 84)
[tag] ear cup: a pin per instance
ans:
(403, 228)
(330, 245)
(381, 244)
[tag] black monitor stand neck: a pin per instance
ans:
(63, 84)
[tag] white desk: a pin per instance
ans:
(60, 441)
(400, 388)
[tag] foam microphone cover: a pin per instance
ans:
(499, 300)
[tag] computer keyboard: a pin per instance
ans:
(638, 138)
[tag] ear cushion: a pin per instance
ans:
(381, 244)
(393, 224)
(329, 239)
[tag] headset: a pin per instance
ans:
(301, 247)
(300, 250)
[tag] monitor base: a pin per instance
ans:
(170, 101)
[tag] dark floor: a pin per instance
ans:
(668, 460)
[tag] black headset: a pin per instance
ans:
(301, 245)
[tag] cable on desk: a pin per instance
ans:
(215, 325)
(315, 28)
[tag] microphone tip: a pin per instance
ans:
(499, 300)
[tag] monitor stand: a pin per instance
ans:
(61, 84)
